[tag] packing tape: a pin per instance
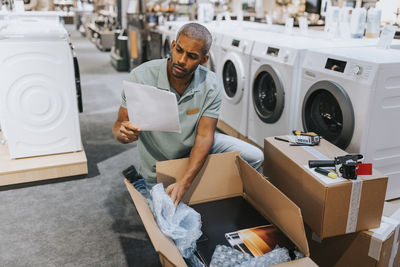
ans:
(354, 206)
(356, 190)
(388, 225)
(395, 247)
(310, 150)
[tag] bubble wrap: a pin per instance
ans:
(182, 224)
(225, 256)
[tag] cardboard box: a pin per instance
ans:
(223, 176)
(330, 207)
(372, 248)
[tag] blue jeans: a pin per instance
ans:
(225, 143)
(222, 143)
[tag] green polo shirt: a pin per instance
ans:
(201, 98)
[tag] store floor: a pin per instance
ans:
(81, 221)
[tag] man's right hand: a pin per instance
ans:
(128, 132)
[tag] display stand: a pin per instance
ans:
(16, 171)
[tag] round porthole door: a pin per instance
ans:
(210, 64)
(328, 111)
(268, 94)
(233, 78)
(166, 50)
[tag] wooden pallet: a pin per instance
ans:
(16, 171)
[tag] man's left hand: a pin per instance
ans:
(177, 190)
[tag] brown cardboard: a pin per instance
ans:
(325, 208)
(354, 249)
(32, 169)
(222, 176)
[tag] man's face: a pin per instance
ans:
(186, 56)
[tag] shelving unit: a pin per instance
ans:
(66, 9)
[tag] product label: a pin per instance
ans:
(387, 35)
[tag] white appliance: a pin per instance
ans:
(234, 71)
(170, 30)
(275, 80)
(351, 96)
(38, 103)
(217, 29)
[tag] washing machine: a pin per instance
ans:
(351, 97)
(274, 76)
(38, 103)
(170, 30)
(275, 81)
(234, 70)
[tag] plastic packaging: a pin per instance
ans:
(357, 22)
(332, 21)
(373, 23)
(182, 224)
(229, 257)
(344, 22)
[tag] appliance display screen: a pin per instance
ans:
(271, 51)
(335, 65)
(313, 6)
(235, 43)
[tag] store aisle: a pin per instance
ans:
(81, 222)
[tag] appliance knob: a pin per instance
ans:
(286, 57)
(357, 70)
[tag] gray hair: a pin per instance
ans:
(198, 32)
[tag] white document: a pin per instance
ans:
(152, 109)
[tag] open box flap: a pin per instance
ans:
(162, 244)
(304, 262)
(274, 205)
(218, 178)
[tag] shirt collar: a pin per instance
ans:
(163, 82)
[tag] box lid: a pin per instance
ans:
(220, 178)
(161, 243)
(274, 205)
(213, 182)
(302, 154)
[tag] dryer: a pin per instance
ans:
(38, 103)
(351, 96)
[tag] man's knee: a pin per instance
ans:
(254, 156)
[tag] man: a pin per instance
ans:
(198, 93)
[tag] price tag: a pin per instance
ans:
(303, 24)
(386, 37)
(289, 25)
(268, 18)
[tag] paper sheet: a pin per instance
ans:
(152, 109)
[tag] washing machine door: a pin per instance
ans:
(328, 111)
(268, 94)
(154, 45)
(233, 78)
(210, 64)
(166, 49)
